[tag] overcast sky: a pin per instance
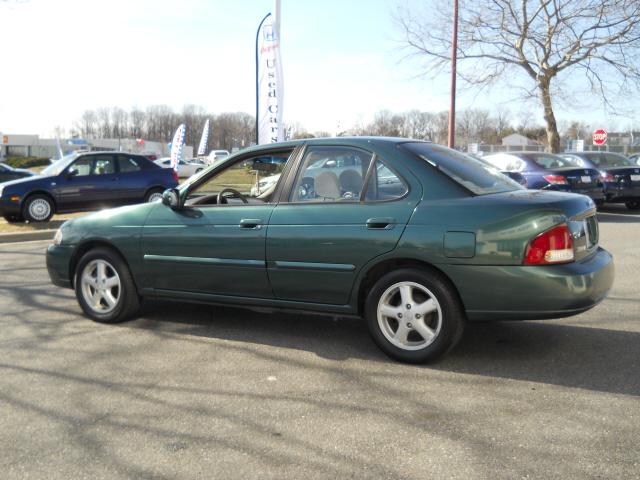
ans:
(341, 62)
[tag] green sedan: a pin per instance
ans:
(416, 238)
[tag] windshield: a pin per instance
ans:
(57, 167)
(476, 176)
(547, 160)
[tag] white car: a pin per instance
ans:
(264, 184)
(215, 155)
(185, 169)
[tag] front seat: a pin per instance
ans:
(351, 181)
(326, 185)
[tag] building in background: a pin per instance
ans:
(12, 145)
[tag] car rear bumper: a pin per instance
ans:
(58, 263)
(620, 192)
(595, 192)
(533, 292)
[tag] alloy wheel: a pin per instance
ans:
(101, 286)
(409, 316)
(39, 209)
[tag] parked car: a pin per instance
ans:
(84, 182)
(215, 155)
(545, 171)
(620, 175)
(8, 173)
(427, 240)
(185, 168)
(513, 175)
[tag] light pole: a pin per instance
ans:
(454, 59)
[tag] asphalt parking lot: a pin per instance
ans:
(191, 391)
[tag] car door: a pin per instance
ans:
(214, 248)
(132, 182)
(331, 226)
(89, 182)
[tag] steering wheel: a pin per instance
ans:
(222, 199)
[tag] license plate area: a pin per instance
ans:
(635, 178)
(585, 179)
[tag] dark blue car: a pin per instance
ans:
(621, 176)
(84, 182)
(545, 171)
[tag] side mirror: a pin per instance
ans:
(72, 172)
(171, 198)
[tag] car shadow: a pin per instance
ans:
(584, 357)
(617, 213)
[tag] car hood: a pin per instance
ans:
(31, 179)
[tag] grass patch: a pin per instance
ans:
(27, 162)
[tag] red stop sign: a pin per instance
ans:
(600, 137)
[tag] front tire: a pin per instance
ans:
(38, 208)
(104, 287)
(414, 315)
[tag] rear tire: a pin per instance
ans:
(153, 195)
(414, 315)
(633, 204)
(104, 287)
(38, 208)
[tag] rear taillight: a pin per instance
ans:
(175, 175)
(556, 179)
(607, 177)
(553, 246)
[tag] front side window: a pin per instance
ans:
(82, 167)
(251, 180)
(477, 177)
(331, 174)
(104, 165)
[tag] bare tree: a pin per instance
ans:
(534, 44)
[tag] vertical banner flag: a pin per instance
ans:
(59, 148)
(202, 148)
(269, 87)
(176, 146)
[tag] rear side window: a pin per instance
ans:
(613, 160)
(476, 176)
(128, 164)
(384, 184)
(546, 160)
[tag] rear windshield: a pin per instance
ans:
(478, 177)
(547, 161)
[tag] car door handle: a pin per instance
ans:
(251, 223)
(381, 223)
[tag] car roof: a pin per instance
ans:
(354, 141)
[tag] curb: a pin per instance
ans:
(27, 236)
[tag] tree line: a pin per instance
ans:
(159, 122)
(237, 129)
